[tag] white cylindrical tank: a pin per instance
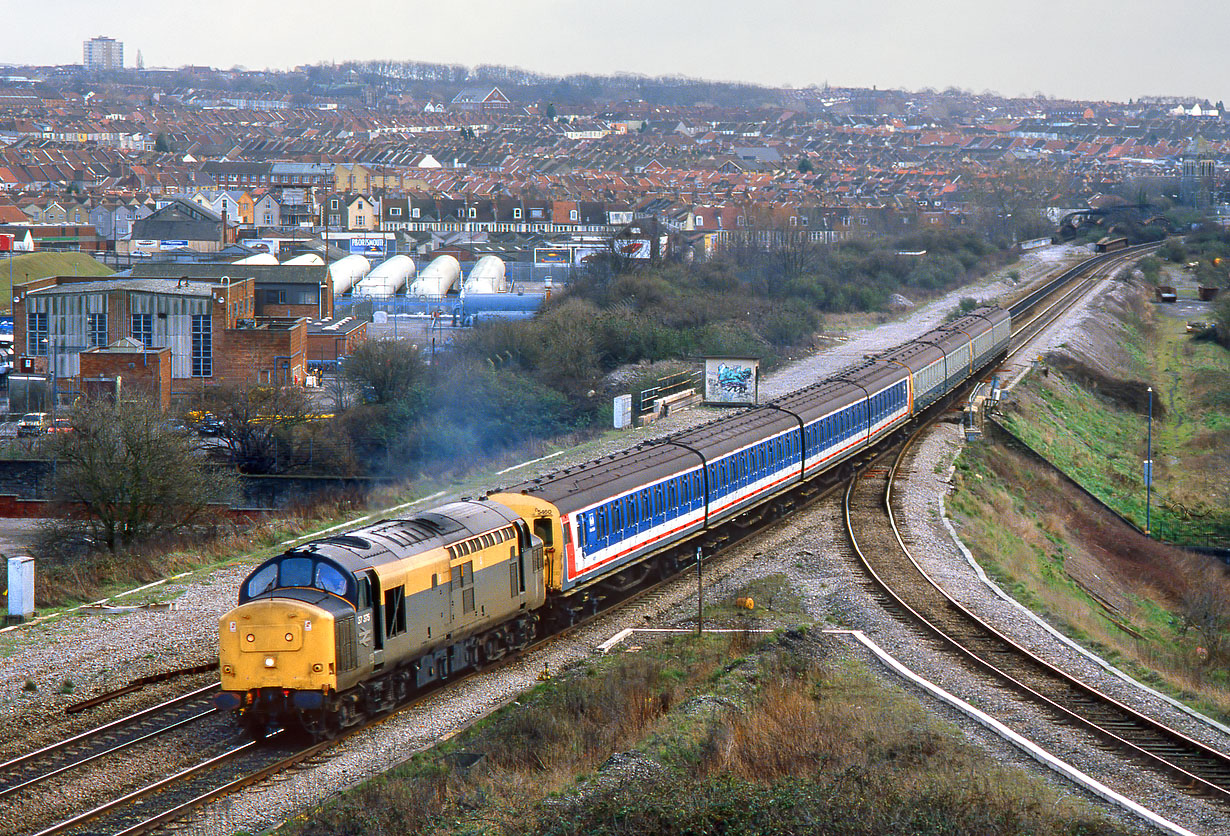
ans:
(305, 260)
(259, 258)
(488, 276)
(438, 278)
(387, 278)
(347, 271)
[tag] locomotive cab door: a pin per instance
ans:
(370, 621)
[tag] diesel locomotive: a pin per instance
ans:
(349, 625)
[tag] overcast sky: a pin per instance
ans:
(1116, 50)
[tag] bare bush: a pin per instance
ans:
(129, 476)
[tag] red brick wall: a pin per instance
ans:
(147, 372)
(326, 348)
(255, 355)
(309, 311)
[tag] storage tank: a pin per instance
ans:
(347, 271)
(304, 260)
(438, 278)
(488, 276)
(259, 258)
(387, 278)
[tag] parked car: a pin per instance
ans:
(204, 423)
(32, 423)
(60, 425)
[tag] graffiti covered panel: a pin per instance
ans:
(731, 380)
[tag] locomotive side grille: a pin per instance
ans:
(345, 641)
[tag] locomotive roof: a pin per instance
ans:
(398, 538)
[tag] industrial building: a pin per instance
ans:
(205, 332)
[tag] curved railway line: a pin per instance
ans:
(906, 590)
(174, 797)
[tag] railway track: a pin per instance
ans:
(908, 592)
(28, 770)
(174, 797)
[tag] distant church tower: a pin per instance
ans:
(1199, 174)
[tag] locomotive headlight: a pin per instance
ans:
(290, 637)
(269, 661)
(318, 667)
(250, 637)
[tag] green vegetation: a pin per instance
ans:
(710, 735)
(1161, 613)
(756, 302)
(1100, 441)
(40, 265)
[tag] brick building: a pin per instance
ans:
(210, 329)
(126, 367)
(280, 290)
(330, 339)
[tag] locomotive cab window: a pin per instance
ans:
(299, 571)
(263, 581)
(329, 579)
(395, 611)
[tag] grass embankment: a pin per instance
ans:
(39, 265)
(710, 735)
(1096, 432)
(1161, 612)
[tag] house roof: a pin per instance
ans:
(261, 273)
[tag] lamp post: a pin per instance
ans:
(1149, 467)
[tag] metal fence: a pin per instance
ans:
(646, 401)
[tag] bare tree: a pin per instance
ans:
(135, 475)
(258, 423)
(386, 370)
(1206, 610)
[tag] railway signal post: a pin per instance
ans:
(1149, 466)
(700, 596)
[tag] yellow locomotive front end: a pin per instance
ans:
(277, 643)
(292, 644)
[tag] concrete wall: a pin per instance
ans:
(29, 481)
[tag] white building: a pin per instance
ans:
(103, 53)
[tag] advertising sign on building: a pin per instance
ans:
(552, 255)
(264, 245)
(367, 245)
(732, 380)
(171, 245)
(635, 247)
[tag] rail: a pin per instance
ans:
(1196, 768)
